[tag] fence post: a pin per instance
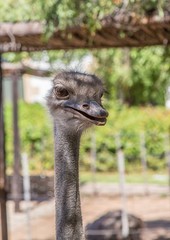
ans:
(27, 194)
(17, 182)
(143, 156)
(3, 193)
(167, 156)
(93, 161)
(121, 168)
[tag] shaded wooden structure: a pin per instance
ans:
(14, 71)
(117, 30)
(9, 68)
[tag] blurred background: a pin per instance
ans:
(125, 165)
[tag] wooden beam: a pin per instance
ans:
(28, 36)
(17, 181)
(3, 193)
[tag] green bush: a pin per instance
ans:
(130, 123)
(37, 137)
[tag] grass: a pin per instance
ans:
(150, 178)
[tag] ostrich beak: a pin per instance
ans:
(90, 110)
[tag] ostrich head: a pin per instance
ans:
(75, 100)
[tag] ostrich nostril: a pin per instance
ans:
(86, 106)
(103, 113)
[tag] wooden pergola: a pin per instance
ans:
(117, 30)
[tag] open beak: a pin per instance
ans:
(90, 110)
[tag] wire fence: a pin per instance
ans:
(40, 188)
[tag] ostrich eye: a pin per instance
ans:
(61, 93)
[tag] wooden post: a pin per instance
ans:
(167, 156)
(3, 194)
(121, 167)
(17, 181)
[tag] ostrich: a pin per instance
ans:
(75, 104)
(109, 227)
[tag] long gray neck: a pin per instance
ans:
(68, 210)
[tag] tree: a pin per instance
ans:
(136, 76)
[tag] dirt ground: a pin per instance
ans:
(153, 210)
